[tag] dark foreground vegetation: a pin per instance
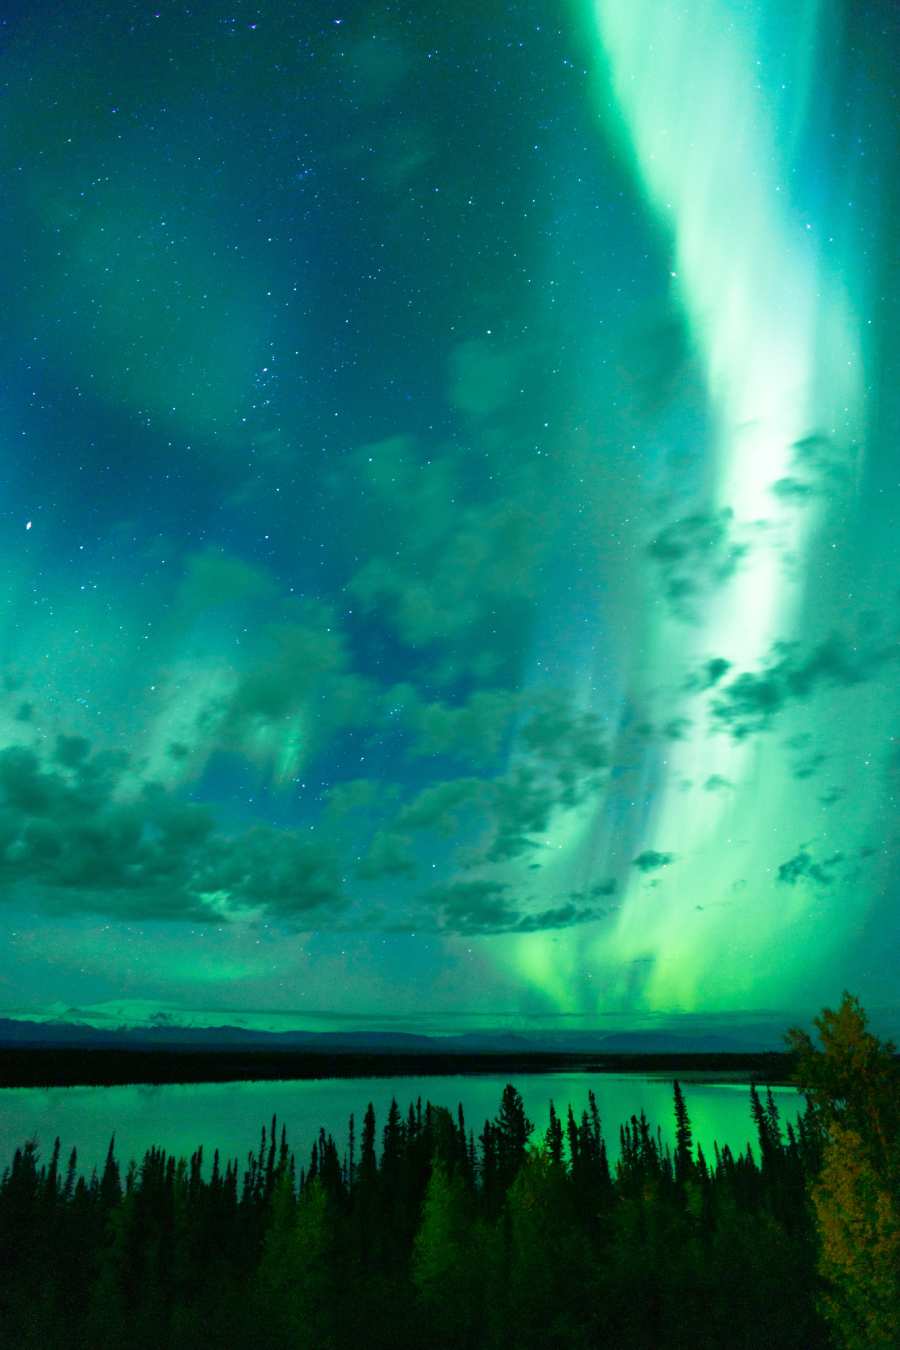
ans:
(420, 1234)
(46, 1066)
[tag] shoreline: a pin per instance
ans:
(44, 1066)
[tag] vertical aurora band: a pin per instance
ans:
(718, 106)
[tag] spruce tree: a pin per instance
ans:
(443, 1272)
(684, 1161)
(512, 1132)
(367, 1159)
(554, 1138)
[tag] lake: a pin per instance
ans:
(228, 1116)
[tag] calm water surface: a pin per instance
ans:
(228, 1116)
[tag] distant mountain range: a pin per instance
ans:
(22, 1034)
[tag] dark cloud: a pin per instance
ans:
(651, 861)
(301, 656)
(570, 744)
(709, 674)
(484, 907)
(803, 867)
(793, 490)
(555, 731)
(216, 578)
(71, 751)
(87, 833)
(522, 804)
(693, 555)
(289, 876)
(823, 460)
(80, 832)
(442, 806)
(357, 794)
(561, 757)
(563, 916)
(677, 729)
(473, 731)
(295, 694)
(586, 899)
(453, 572)
(388, 855)
(473, 907)
(810, 765)
(753, 700)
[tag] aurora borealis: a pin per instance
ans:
(450, 563)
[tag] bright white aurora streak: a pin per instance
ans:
(713, 101)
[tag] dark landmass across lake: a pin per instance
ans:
(169, 1035)
(43, 1066)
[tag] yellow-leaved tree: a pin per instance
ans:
(853, 1085)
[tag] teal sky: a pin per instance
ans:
(450, 516)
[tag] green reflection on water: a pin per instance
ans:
(229, 1116)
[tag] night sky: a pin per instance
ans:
(450, 511)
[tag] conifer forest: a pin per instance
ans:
(427, 1229)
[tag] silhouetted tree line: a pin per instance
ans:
(424, 1234)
